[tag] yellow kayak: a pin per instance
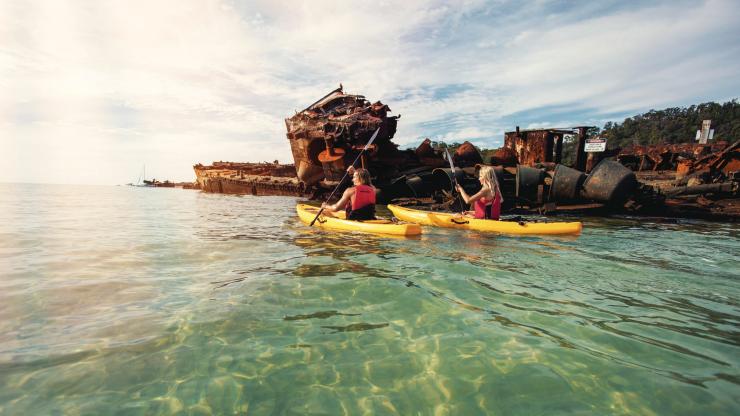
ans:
(449, 220)
(337, 222)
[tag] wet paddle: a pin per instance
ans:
(454, 177)
(345, 174)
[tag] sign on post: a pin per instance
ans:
(703, 135)
(595, 144)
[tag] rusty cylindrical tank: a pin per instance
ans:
(609, 182)
(442, 177)
(421, 185)
(566, 184)
(498, 170)
(527, 182)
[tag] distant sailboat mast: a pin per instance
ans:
(141, 181)
(142, 175)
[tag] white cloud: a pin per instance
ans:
(91, 91)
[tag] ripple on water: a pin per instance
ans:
(148, 301)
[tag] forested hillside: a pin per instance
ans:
(676, 125)
(671, 125)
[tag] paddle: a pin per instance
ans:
(345, 174)
(454, 177)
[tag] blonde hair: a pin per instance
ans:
(488, 177)
(364, 176)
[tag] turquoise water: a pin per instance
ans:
(118, 300)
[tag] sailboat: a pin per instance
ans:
(142, 182)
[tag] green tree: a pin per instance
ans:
(675, 125)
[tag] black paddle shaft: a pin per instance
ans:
(330, 195)
(345, 175)
(454, 177)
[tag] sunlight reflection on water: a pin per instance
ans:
(150, 301)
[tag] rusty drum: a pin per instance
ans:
(609, 182)
(566, 184)
(527, 182)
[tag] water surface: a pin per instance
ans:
(118, 300)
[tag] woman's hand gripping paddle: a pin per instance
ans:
(345, 174)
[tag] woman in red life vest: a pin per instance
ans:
(359, 200)
(487, 202)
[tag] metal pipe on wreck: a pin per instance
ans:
(723, 187)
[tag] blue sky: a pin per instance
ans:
(92, 90)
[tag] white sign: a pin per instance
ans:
(705, 127)
(596, 144)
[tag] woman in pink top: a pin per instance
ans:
(487, 202)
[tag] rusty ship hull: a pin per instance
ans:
(261, 179)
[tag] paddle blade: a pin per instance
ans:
(316, 217)
(449, 159)
(372, 139)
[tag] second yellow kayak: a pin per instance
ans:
(337, 222)
(450, 220)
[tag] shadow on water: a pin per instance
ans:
(343, 250)
(276, 268)
(681, 308)
(355, 327)
(318, 315)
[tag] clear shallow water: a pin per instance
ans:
(118, 300)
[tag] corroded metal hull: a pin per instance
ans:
(328, 135)
(249, 178)
(257, 186)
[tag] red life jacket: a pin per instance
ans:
(364, 196)
(484, 209)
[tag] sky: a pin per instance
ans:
(92, 91)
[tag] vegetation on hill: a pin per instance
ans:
(675, 125)
(671, 125)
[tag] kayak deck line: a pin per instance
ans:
(450, 220)
(337, 222)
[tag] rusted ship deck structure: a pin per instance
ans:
(666, 180)
(249, 178)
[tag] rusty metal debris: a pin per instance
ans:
(543, 145)
(249, 178)
(609, 182)
(334, 129)
(566, 184)
(720, 165)
(329, 134)
(679, 179)
(666, 156)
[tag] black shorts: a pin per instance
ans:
(363, 214)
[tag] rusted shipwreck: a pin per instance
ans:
(324, 138)
(249, 178)
(328, 135)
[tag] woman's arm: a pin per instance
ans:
(485, 191)
(341, 203)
